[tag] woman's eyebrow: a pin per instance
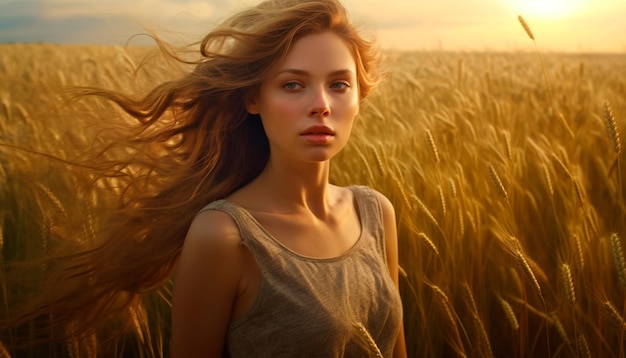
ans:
(296, 71)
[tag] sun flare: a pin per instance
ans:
(547, 9)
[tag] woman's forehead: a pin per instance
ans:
(324, 52)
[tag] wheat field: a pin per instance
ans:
(505, 169)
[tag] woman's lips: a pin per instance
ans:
(318, 134)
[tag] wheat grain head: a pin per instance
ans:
(618, 257)
(611, 126)
(495, 179)
(364, 338)
(568, 283)
(526, 27)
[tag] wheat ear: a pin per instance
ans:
(508, 310)
(452, 187)
(526, 27)
(433, 146)
(365, 339)
(579, 250)
(495, 178)
(579, 191)
(428, 241)
(614, 314)
(568, 283)
(583, 347)
(546, 173)
(529, 271)
(618, 257)
(425, 210)
(611, 126)
(442, 200)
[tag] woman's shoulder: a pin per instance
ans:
(385, 203)
(212, 227)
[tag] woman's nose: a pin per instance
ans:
(320, 105)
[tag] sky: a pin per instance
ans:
(575, 26)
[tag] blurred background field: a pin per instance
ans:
(506, 171)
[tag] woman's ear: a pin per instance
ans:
(252, 106)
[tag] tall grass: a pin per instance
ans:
(511, 225)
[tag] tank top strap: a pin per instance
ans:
(370, 210)
(246, 224)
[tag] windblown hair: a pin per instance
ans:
(195, 143)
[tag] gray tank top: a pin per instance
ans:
(310, 307)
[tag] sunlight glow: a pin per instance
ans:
(547, 9)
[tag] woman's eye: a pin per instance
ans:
(340, 85)
(291, 85)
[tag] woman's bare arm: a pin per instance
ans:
(391, 245)
(205, 287)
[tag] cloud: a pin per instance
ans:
(149, 8)
(19, 9)
(78, 29)
(106, 22)
(157, 9)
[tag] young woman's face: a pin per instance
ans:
(309, 101)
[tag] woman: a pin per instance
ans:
(280, 262)
(290, 265)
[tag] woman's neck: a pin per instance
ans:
(289, 188)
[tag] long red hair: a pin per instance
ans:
(193, 143)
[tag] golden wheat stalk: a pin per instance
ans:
(46, 232)
(529, 271)
(580, 194)
(583, 347)
(507, 143)
(478, 322)
(611, 126)
(73, 347)
(6, 106)
(364, 338)
(426, 211)
(546, 174)
(473, 215)
(545, 76)
(80, 345)
(614, 314)
(495, 179)
(452, 187)
(526, 27)
(447, 307)
(432, 145)
(379, 160)
(579, 250)
(429, 242)
(88, 225)
(402, 272)
(618, 257)
(568, 283)
(53, 199)
(400, 187)
(592, 222)
(556, 322)
(508, 310)
(562, 165)
(442, 200)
